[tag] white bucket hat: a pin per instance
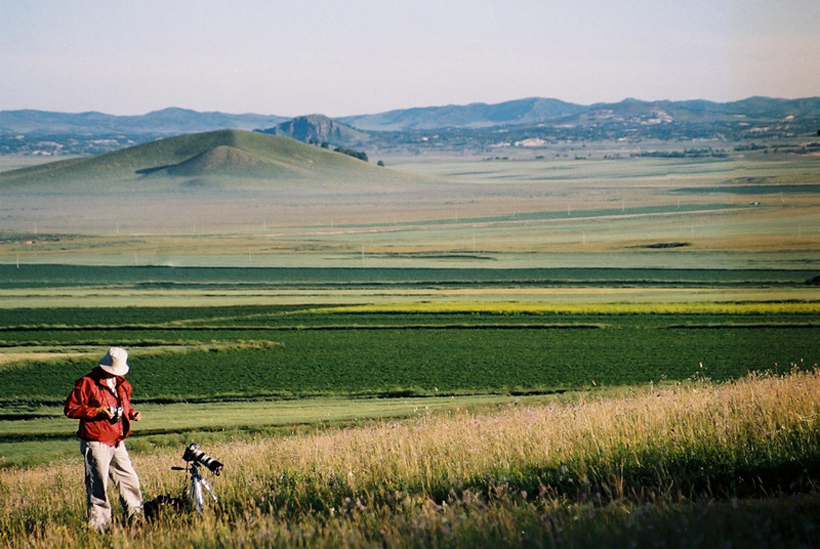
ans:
(114, 361)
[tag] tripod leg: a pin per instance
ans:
(195, 493)
(199, 500)
(207, 486)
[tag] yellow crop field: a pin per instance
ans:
(508, 307)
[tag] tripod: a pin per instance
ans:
(196, 495)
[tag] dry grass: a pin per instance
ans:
(513, 307)
(466, 478)
(7, 358)
(405, 299)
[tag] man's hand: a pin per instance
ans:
(137, 416)
(105, 411)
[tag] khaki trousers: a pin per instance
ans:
(101, 463)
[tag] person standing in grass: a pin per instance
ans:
(101, 400)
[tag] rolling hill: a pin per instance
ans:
(218, 156)
(209, 181)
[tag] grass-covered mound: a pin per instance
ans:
(218, 154)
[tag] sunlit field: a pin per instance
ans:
(240, 371)
(518, 352)
(642, 468)
(420, 275)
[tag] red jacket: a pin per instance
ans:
(91, 393)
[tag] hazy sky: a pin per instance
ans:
(352, 57)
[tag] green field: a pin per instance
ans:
(338, 354)
(475, 334)
(57, 276)
(261, 358)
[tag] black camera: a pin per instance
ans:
(116, 414)
(194, 454)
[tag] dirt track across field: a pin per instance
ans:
(6, 358)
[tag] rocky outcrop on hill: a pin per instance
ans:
(318, 129)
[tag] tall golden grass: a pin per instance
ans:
(625, 307)
(525, 474)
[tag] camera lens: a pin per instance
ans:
(193, 453)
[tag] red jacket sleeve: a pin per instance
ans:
(76, 405)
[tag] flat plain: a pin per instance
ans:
(754, 210)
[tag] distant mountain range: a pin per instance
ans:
(537, 110)
(534, 110)
(474, 126)
(166, 121)
(523, 111)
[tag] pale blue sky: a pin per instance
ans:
(352, 57)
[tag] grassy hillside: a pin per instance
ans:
(234, 153)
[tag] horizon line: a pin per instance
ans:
(250, 113)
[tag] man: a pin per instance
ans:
(101, 400)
